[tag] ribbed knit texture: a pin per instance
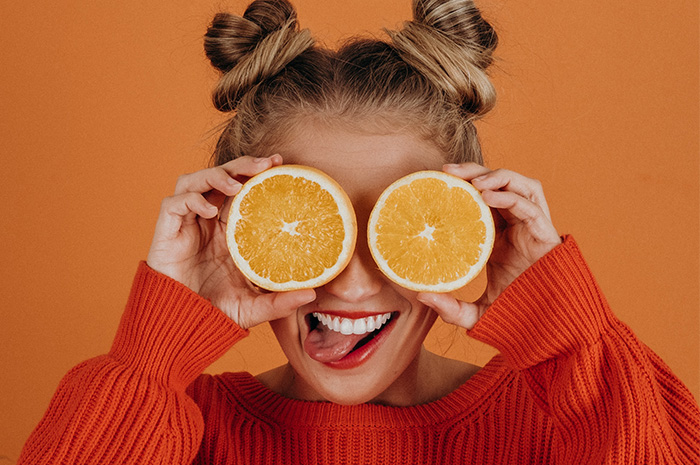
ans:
(572, 385)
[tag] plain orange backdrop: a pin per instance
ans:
(104, 104)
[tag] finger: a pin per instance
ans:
(207, 180)
(223, 178)
(466, 171)
(451, 310)
(190, 204)
(182, 209)
(276, 305)
(506, 180)
(250, 166)
(515, 208)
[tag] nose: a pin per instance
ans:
(359, 280)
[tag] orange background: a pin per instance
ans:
(104, 104)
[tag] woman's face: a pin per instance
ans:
(325, 365)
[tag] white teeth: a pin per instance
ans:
(346, 326)
(360, 327)
(353, 326)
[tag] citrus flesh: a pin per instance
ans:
(291, 227)
(431, 231)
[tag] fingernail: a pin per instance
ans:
(307, 296)
(450, 166)
(479, 178)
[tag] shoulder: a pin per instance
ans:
(498, 396)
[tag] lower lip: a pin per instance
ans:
(364, 353)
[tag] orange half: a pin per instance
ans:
(431, 231)
(291, 227)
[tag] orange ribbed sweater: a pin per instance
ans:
(572, 385)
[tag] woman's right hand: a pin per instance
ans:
(189, 244)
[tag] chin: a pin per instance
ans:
(379, 381)
(350, 390)
(370, 368)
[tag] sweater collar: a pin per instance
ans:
(467, 400)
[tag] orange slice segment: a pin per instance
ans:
(431, 231)
(291, 227)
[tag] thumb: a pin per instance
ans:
(276, 305)
(453, 311)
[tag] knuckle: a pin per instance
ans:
(168, 205)
(166, 202)
(182, 181)
(219, 173)
(192, 198)
(536, 190)
(517, 201)
(532, 212)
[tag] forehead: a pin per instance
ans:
(363, 162)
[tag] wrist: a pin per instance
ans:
(553, 309)
(169, 331)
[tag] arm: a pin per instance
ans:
(130, 406)
(610, 398)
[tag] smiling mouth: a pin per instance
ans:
(345, 342)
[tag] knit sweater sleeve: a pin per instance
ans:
(611, 399)
(130, 405)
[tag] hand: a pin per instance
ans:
(524, 234)
(189, 244)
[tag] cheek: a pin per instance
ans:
(287, 332)
(423, 317)
(423, 322)
(410, 297)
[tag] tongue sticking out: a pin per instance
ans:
(324, 345)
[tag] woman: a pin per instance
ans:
(572, 384)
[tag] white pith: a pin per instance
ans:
(348, 326)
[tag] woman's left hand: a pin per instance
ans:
(524, 234)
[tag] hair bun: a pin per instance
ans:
(252, 48)
(461, 21)
(450, 44)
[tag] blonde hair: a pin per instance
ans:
(429, 76)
